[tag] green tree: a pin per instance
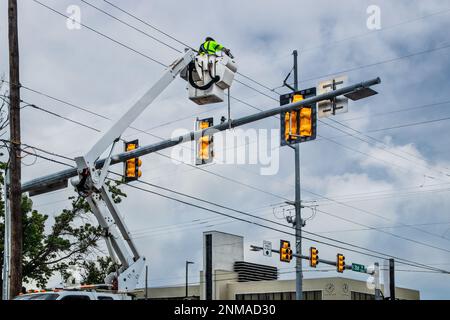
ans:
(71, 238)
(96, 271)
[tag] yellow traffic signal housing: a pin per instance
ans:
(313, 257)
(205, 152)
(340, 263)
(299, 125)
(132, 166)
(285, 251)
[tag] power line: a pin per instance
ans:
(268, 220)
(366, 211)
(385, 196)
(327, 45)
(102, 34)
(131, 26)
(155, 60)
(236, 181)
(274, 229)
(261, 225)
(54, 10)
(380, 142)
(148, 24)
(410, 124)
(145, 131)
(375, 63)
(59, 116)
(385, 232)
(175, 39)
(277, 223)
(380, 114)
(388, 227)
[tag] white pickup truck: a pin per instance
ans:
(73, 295)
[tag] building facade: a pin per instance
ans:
(226, 276)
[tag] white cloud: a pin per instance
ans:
(95, 73)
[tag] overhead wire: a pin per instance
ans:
(402, 260)
(36, 1)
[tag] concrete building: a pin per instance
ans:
(226, 276)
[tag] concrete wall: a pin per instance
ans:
(171, 292)
(226, 288)
(226, 250)
(332, 288)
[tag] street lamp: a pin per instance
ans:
(187, 273)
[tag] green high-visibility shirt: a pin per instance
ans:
(210, 47)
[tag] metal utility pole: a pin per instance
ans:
(187, 277)
(298, 205)
(15, 193)
(146, 282)
(392, 279)
(376, 275)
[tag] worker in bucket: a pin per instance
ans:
(210, 46)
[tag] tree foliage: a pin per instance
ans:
(51, 245)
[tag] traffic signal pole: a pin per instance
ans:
(49, 180)
(298, 205)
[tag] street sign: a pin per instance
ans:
(339, 104)
(267, 248)
(358, 268)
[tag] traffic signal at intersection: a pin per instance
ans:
(205, 152)
(313, 257)
(299, 125)
(285, 251)
(340, 263)
(132, 166)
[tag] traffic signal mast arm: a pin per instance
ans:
(328, 262)
(47, 183)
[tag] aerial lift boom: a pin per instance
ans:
(90, 184)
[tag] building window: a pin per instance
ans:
(362, 296)
(308, 295)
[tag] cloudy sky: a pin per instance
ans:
(379, 176)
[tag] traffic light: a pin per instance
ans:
(205, 152)
(340, 263)
(132, 166)
(313, 257)
(285, 251)
(299, 125)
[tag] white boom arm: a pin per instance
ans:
(90, 183)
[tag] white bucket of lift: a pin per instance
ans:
(211, 76)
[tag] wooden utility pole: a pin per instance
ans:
(15, 193)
